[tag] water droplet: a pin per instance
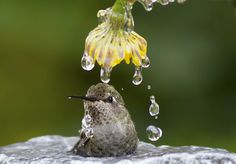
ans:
(153, 133)
(103, 15)
(87, 62)
(164, 2)
(154, 108)
(88, 118)
(181, 1)
(88, 132)
(152, 99)
(86, 121)
(156, 117)
(149, 87)
(105, 74)
(147, 4)
(129, 20)
(138, 77)
(145, 62)
(122, 89)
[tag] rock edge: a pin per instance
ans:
(53, 150)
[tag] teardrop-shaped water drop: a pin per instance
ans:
(154, 108)
(105, 74)
(87, 62)
(138, 77)
(153, 133)
(145, 62)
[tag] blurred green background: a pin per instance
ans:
(192, 48)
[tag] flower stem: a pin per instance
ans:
(118, 14)
(119, 7)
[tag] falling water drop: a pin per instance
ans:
(138, 77)
(154, 108)
(149, 87)
(105, 74)
(145, 62)
(153, 133)
(87, 62)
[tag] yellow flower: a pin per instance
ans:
(113, 41)
(109, 45)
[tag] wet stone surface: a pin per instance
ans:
(53, 150)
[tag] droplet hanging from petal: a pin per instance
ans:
(138, 77)
(105, 74)
(87, 62)
(145, 62)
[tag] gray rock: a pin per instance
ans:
(53, 150)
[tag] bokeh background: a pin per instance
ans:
(192, 48)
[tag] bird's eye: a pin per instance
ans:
(110, 99)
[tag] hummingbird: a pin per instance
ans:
(107, 128)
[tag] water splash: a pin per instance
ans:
(154, 108)
(86, 126)
(153, 133)
(86, 121)
(88, 132)
(138, 77)
(87, 62)
(105, 74)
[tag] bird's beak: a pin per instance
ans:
(83, 98)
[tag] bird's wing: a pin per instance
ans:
(80, 144)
